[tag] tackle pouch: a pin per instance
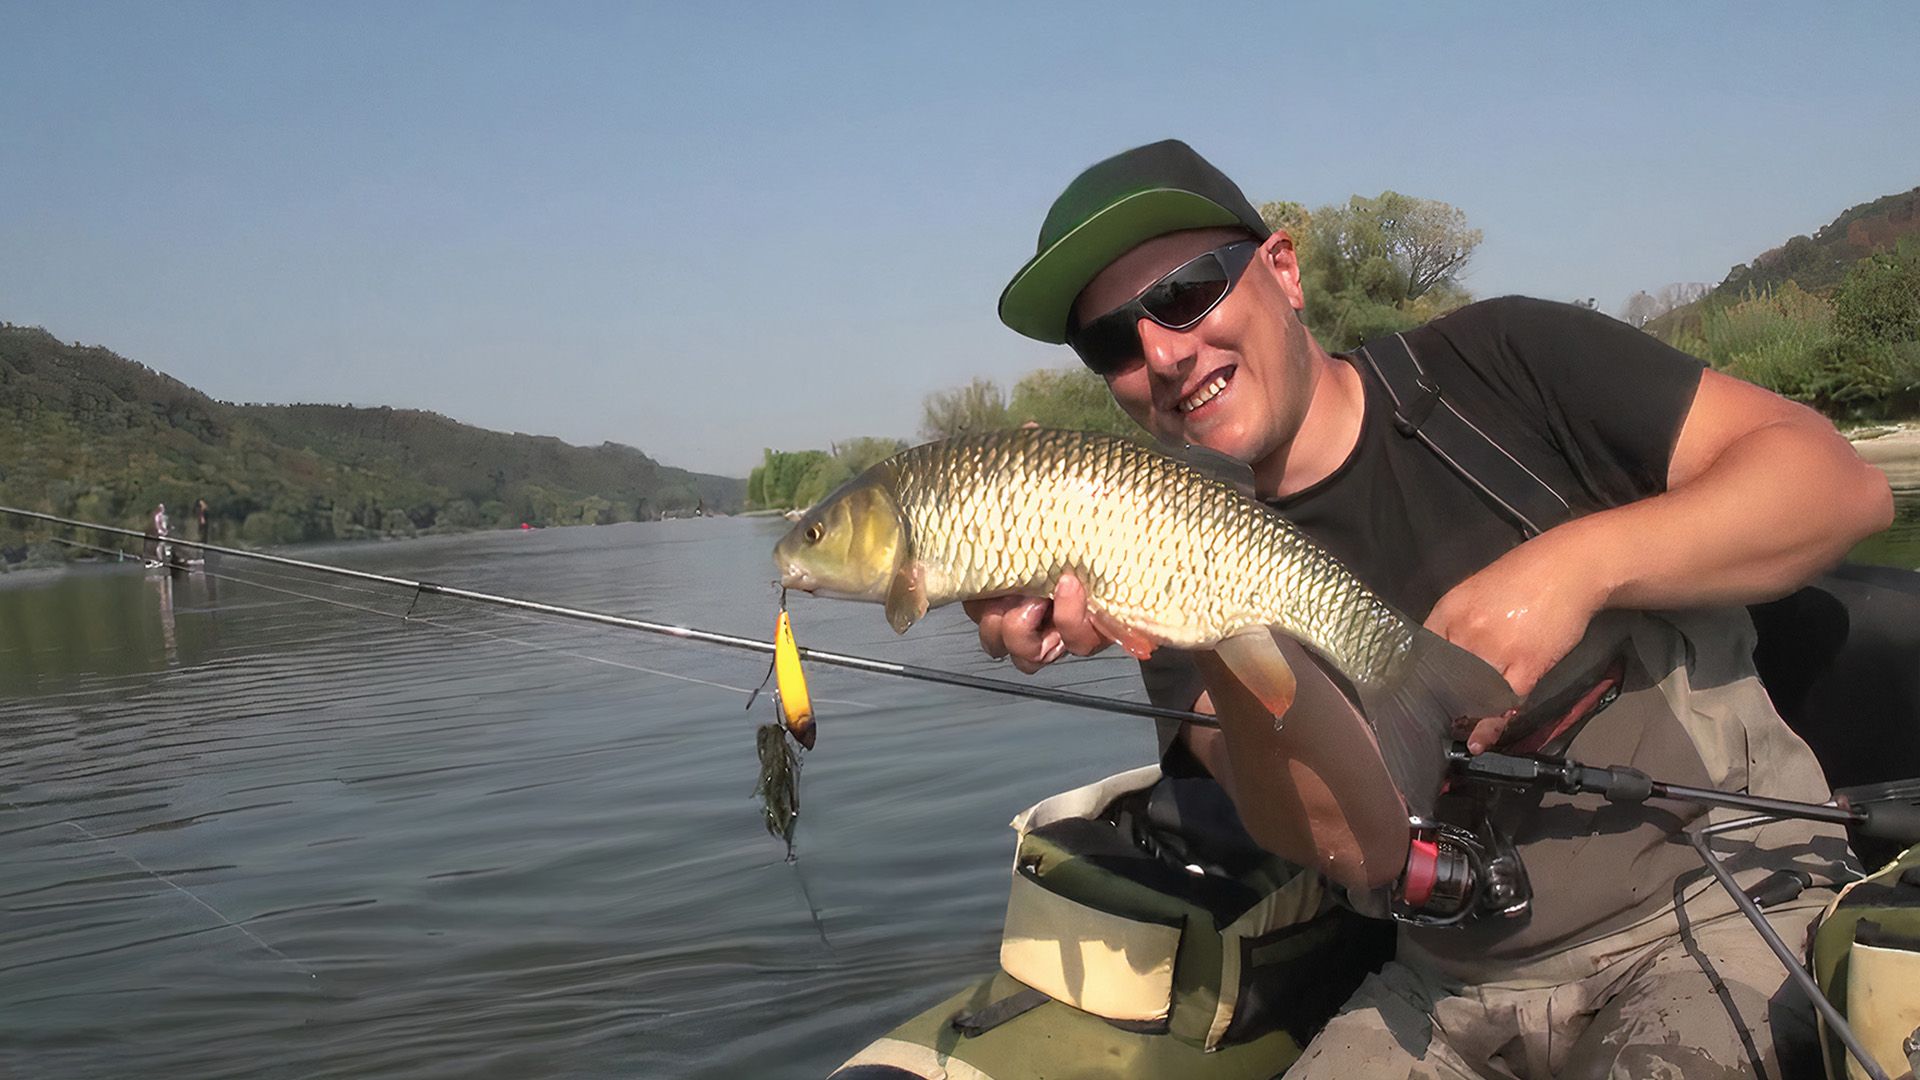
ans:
(1865, 955)
(1139, 899)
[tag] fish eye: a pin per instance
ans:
(814, 532)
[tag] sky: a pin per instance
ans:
(705, 229)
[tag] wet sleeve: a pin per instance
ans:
(1173, 682)
(1612, 398)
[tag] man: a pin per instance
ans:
(158, 530)
(1694, 493)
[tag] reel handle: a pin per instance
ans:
(1896, 821)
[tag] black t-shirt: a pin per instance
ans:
(1591, 405)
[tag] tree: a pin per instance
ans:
(1072, 398)
(978, 406)
(1283, 215)
(1640, 309)
(1879, 300)
(862, 453)
(819, 480)
(1396, 247)
(1679, 295)
(1371, 266)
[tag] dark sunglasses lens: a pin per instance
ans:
(1181, 298)
(1107, 344)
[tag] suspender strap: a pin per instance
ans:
(1421, 411)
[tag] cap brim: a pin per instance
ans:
(1040, 297)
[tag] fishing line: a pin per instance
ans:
(183, 890)
(684, 633)
(806, 892)
(449, 628)
(508, 614)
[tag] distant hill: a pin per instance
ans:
(87, 433)
(1817, 263)
(1814, 263)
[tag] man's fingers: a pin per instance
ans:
(1078, 635)
(1023, 630)
(992, 639)
(1487, 733)
(1034, 631)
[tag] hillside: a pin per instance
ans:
(90, 434)
(1832, 320)
(1816, 264)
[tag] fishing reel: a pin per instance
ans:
(1456, 875)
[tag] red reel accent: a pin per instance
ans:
(1423, 869)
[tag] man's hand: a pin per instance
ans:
(1034, 631)
(1522, 613)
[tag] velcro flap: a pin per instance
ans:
(1109, 965)
(1883, 1004)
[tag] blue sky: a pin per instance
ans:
(705, 229)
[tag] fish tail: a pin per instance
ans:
(1413, 711)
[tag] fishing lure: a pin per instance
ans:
(779, 786)
(790, 683)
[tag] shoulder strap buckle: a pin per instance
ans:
(1408, 418)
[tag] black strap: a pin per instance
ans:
(984, 1019)
(1421, 411)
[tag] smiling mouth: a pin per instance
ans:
(1207, 392)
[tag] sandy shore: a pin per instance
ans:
(1896, 451)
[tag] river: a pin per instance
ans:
(246, 833)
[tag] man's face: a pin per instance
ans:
(1238, 381)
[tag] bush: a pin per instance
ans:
(1879, 302)
(1798, 346)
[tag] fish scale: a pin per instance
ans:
(1160, 546)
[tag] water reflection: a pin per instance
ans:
(1899, 545)
(109, 619)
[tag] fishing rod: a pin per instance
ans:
(1881, 811)
(684, 633)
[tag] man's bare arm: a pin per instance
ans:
(1762, 494)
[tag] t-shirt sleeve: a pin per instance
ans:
(1612, 399)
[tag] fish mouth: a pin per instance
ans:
(1205, 391)
(792, 577)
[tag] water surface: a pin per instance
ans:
(247, 833)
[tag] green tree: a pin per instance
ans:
(1879, 300)
(1285, 216)
(863, 452)
(1373, 266)
(783, 474)
(819, 480)
(978, 406)
(1073, 398)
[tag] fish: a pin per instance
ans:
(1171, 554)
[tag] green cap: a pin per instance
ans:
(1108, 210)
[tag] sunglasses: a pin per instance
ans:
(1183, 297)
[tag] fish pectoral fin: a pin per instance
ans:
(1256, 660)
(1134, 641)
(907, 598)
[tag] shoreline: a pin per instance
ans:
(1895, 451)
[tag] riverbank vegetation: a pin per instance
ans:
(88, 434)
(1852, 351)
